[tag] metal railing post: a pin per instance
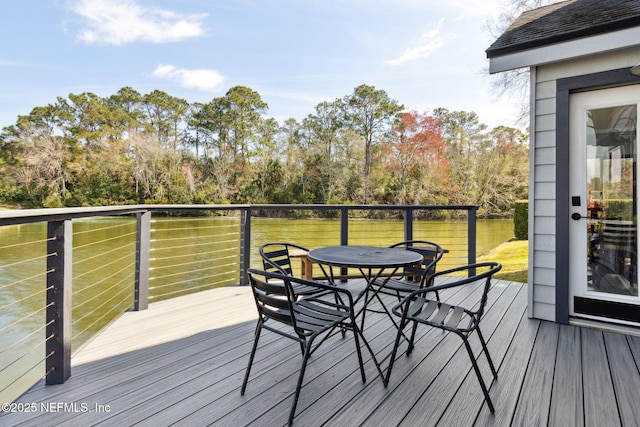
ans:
(143, 248)
(344, 226)
(344, 232)
(58, 330)
(245, 245)
(408, 224)
(471, 237)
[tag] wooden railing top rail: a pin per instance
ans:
(24, 216)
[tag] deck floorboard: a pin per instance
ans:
(182, 362)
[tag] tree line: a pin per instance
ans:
(364, 148)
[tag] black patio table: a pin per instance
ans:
(372, 262)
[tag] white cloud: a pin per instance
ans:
(206, 80)
(426, 44)
(119, 22)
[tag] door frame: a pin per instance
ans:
(564, 88)
(595, 304)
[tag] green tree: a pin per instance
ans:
(166, 117)
(129, 102)
(371, 113)
(502, 170)
(323, 129)
(462, 132)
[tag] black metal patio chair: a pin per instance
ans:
(416, 309)
(308, 318)
(276, 258)
(412, 278)
(416, 276)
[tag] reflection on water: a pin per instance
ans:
(186, 255)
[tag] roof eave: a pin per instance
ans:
(567, 50)
(547, 41)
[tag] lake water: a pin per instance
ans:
(187, 255)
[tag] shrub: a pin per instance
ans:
(521, 219)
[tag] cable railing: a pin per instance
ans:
(103, 273)
(67, 273)
(22, 314)
(193, 254)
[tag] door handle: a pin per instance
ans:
(576, 216)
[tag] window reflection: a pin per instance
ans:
(611, 205)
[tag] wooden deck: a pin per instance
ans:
(182, 362)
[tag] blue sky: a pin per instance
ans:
(295, 53)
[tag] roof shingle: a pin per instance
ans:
(564, 21)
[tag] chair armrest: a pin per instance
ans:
(329, 289)
(493, 267)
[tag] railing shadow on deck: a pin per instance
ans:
(57, 279)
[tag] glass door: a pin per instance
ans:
(603, 230)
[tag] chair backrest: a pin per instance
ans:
(478, 272)
(273, 300)
(275, 257)
(432, 252)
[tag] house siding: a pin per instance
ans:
(543, 219)
(542, 297)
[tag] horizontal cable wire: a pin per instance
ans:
(233, 226)
(29, 370)
(97, 242)
(27, 243)
(24, 261)
(7, 285)
(26, 337)
(188, 280)
(205, 236)
(207, 227)
(103, 266)
(25, 317)
(190, 290)
(27, 297)
(106, 290)
(111, 227)
(189, 246)
(103, 316)
(234, 256)
(181, 273)
(103, 303)
(102, 254)
(193, 254)
(193, 219)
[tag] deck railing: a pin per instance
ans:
(134, 275)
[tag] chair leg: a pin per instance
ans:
(358, 350)
(364, 309)
(305, 359)
(392, 359)
(413, 337)
(486, 352)
(487, 398)
(251, 356)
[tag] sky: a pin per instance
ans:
(425, 54)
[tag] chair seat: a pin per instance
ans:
(300, 290)
(397, 285)
(316, 315)
(440, 314)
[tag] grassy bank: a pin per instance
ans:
(513, 256)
